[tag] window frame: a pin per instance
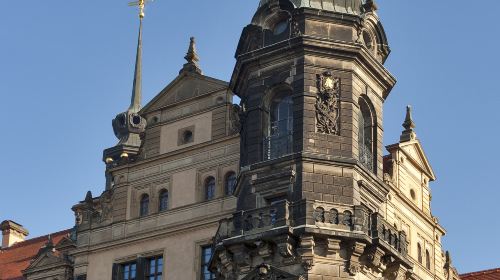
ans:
(144, 205)
(122, 271)
(147, 268)
(427, 259)
(229, 190)
(278, 134)
(419, 253)
(204, 263)
(367, 132)
(163, 205)
(209, 188)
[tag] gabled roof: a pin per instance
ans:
(491, 274)
(184, 87)
(414, 151)
(15, 259)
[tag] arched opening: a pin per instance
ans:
(210, 188)
(367, 135)
(144, 205)
(230, 183)
(280, 128)
(163, 200)
(419, 252)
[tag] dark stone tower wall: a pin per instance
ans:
(315, 192)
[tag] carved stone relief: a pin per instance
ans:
(328, 104)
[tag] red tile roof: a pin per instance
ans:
(492, 274)
(16, 258)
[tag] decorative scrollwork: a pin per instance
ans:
(328, 104)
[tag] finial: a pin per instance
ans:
(408, 134)
(192, 58)
(88, 197)
(408, 124)
(370, 6)
(141, 4)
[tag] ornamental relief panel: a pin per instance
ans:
(328, 104)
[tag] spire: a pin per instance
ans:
(192, 59)
(135, 103)
(408, 134)
(128, 125)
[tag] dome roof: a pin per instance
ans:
(339, 6)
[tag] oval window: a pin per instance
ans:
(280, 27)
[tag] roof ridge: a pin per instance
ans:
(35, 240)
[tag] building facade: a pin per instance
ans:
(291, 184)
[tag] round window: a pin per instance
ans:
(136, 119)
(413, 194)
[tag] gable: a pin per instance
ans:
(186, 86)
(48, 259)
(413, 151)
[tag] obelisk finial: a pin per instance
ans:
(408, 134)
(192, 58)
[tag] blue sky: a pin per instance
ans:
(67, 66)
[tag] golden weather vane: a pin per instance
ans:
(141, 4)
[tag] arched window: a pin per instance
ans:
(366, 135)
(163, 201)
(144, 207)
(230, 183)
(419, 252)
(427, 259)
(279, 140)
(210, 188)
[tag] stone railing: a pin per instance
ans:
(382, 230)
(253, 221)
(342, 217)
(337, 217)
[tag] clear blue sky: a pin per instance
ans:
(66, 71)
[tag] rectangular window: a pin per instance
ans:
(206, 254)
(129, 271)
(154, 268)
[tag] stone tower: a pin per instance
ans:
(311, 191)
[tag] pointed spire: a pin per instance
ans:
(135, 103)
(408, 134)
(192, 59)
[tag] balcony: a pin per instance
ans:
(338, 219)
